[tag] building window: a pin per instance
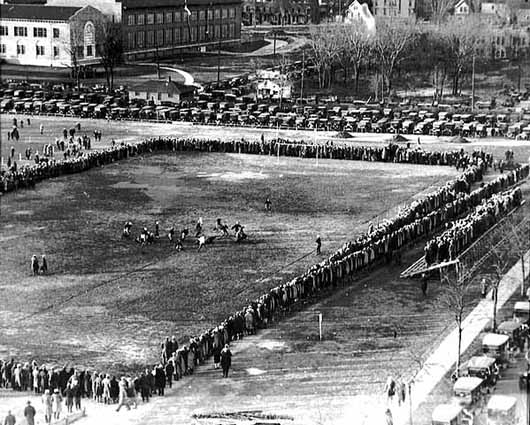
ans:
(159, 18)
(130, 20)
(21, 32)
(141, 19)
(21, 49)
(225, 13)
(169, 17)
(89, 51)
(217, 13)
(3, 30)
(150, 19)
(217, 32)
(178, 16)
(160, 37)
(55, 51)
(169, 36)
(140, 38)
(39, 50)
(39, 32)
(177, 35)
(202, 15)
(232, 30)
(89, 38)
(56, 33)
(232, 12)
(2, 48)
(202, 32)
(150, 38)
(193, 16)
(224, 31)
(193, 33)
(210, 14)
(130, 40)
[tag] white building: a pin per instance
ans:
(110, 8)
(394, 8)
(49, 35)
(359, 14)
(462, 8)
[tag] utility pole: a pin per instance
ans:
(302, 82)
(254, 18)
(218, 63)
(274, 52)
(473, 85)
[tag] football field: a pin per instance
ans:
(107, 302)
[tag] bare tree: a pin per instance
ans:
(323, 48)
(110, 49)
(455, 297)
(462, 41)
(73, 46)
(440, 9)
(391, 46)
(356, 51)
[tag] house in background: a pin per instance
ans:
(158, 91)
(462, 8)
(50, 35)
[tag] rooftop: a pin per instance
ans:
(161, 86)
(37, 12)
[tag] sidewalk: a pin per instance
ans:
(442, 360)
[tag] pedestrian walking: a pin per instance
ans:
(29, 414)
(48, 406)
(41, 129)
(318, 241)
(29, 122)
(12, 151)
(10, 419)
(388, 417)
(57, 404)
(268, 204)
(8, 135)
(226, 360)
(35, 265)
(424, 284)
(123, 399)
(44, 265)
(390, 388)
(483, 287)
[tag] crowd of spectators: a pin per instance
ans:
(77, 157)
(466, 230)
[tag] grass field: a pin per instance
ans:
(108, 303)
(130, 131)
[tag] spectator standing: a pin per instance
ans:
(57, 403)
(29, 414)
(48, 406)
(69, 394)
(318, 241)
(10, 419)
(226, 360)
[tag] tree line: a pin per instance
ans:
(445, 50)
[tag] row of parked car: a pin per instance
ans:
(217, 107)
(478, 376)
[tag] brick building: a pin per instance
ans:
(164, 27)
(50, 36)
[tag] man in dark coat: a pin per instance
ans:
(160, 379)
(170, 370)
(226, 360)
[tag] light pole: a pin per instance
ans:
(473, 85)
